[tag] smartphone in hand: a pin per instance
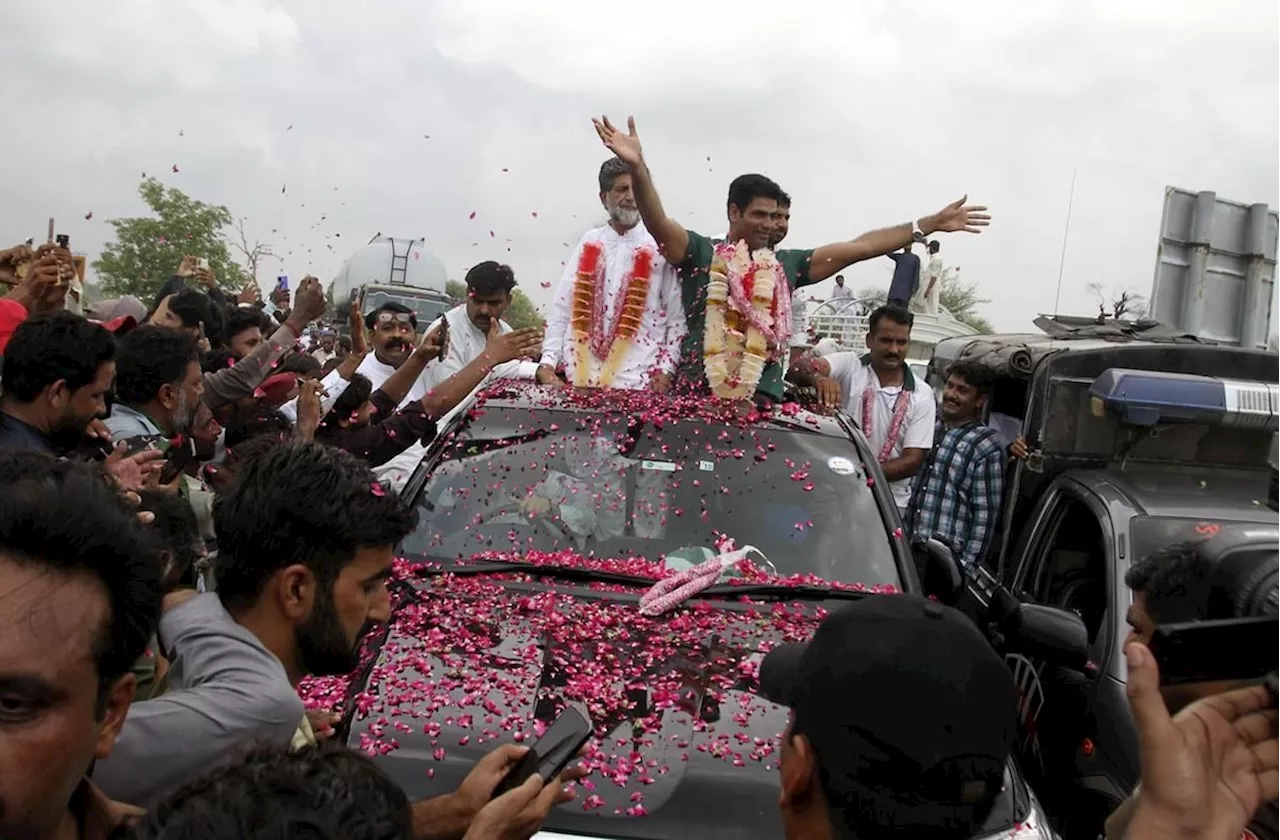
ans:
(553, 752)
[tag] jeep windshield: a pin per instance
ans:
(517, 479)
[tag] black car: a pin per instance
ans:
(1134, 444)
(543, 519)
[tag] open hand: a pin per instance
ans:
(1206, 771)
(250, 294)
(625, 146)
(187, 268)
(131, 473)
(517, 344)
(958, 216)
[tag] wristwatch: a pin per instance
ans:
(917, 235)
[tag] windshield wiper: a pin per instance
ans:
(571, 573)
(783, 592)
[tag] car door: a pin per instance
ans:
(1065, 561)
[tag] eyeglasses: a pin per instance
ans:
(397, 317)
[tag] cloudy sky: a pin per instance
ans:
(409, 115)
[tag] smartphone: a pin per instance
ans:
(176, 460)
(282, 283)
(202, 263)
(444, 338)
(553, 752)
(137, 444)
(1211, 651)
(64, 241)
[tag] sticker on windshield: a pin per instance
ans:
(707, 466)
(841, 466)
(660, 466)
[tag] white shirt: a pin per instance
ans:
(465, 344)
(842, 292)
(917, 427)
(379, 372)
(799, 320)
(826, 347)
(662, 328)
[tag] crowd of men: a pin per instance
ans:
(135, 672)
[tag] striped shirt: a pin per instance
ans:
(957, 492)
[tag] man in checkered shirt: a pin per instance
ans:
(957, 492)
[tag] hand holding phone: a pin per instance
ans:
(552, 753)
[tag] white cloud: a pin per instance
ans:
(868, 113)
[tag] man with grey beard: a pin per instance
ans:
(158, 384)
(617, 319)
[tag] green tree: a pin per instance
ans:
(521, 313)
(959, 297)
(148, 249)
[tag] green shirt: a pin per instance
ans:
(695, 273)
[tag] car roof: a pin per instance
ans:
(1227, 495)
(672, 409)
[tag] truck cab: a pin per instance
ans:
(1134, 444)
(390, 269)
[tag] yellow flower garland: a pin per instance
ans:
(588, 313)
(735, 352)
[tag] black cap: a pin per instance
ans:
(910, 711)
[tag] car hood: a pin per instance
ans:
(684, 746)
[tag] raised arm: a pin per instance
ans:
(673, 239)
(955, 217)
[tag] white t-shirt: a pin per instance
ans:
(917, 427)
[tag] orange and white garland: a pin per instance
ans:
(593, 338)
(746, 322)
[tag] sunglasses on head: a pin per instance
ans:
(397, 317)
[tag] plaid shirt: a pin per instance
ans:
(956, 495)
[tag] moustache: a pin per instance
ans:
(397, 344)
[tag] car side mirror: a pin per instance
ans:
(939, 572)
(1054, 635)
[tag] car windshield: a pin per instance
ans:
(427, 310)
(553, 480)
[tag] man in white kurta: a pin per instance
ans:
(489, 287)
(877, 388)
(653, 353)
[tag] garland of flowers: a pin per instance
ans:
(748, 318)
(593, 336)
(900, 404)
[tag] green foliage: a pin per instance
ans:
(522, 312)
(148, 249)
(959, 297)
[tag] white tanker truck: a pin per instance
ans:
(392, 269)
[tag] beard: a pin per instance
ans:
(625, 217)
(323, 646)
(184, 416)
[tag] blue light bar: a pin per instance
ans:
(1145, 398)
